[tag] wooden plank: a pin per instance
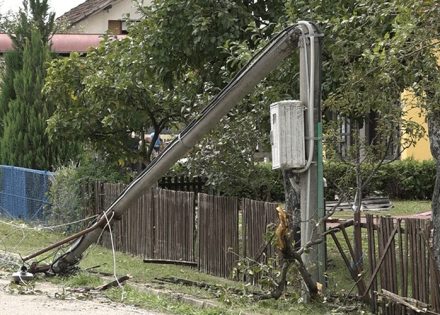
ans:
(405, 261)
(356, 267)
(371, 259)
(414, 286)
(401, 268)
(353, 273)
(382, 258)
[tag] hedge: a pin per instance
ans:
(404, 179)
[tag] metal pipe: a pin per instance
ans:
(256, 70)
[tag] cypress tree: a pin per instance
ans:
(32, 14)
(13, 64)
(23, 112)
(24, 141)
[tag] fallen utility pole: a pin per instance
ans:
(277, 50)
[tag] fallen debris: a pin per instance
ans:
(114, 283)
(103, 287)
(413, 304)
(206, 286)
(171, 262)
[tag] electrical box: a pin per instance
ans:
(287, 135)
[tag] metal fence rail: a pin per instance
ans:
(23, 192)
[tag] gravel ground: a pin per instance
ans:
(44, 299)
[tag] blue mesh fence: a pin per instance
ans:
(23, 192)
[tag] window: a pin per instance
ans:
(117, 27)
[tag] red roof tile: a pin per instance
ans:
(84, 10)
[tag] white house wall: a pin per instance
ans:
(98, 23)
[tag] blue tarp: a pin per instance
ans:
(23, 192)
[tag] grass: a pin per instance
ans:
(400, 208)
(17, 237)
(229, 303)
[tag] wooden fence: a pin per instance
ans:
(218, 234)
(402, 266)
(257, 216)
(164, 225)
(399, 274)
(158, 225)
(184, 183)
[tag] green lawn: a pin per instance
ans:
(17, 237)
(400, 208)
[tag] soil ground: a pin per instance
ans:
(49, 299)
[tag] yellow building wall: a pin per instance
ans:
(421, 151)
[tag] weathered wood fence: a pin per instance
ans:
(399, 274)
(165, 225)
(184, 183)
(401, 262)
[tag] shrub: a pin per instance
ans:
(67, 194)
(67, 201)
(405, 179)
(262, 183)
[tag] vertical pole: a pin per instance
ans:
(308, 198)
(321, 248)
(311, 181)
(322, 257)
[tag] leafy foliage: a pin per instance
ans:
(405, 180)
(23, 110)
(68, 204)
(23, 135)
(69, 198)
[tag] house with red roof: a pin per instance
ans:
(86, 23)
(101, 16)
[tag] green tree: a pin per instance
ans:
(33, 15)
(109, 95)
(13, 64)
(24, 142)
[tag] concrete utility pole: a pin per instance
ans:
(296, 137)
(311, 181)
(307, 37)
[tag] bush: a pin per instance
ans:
(67, 194)
(67, 202)
(405, 179)
(265, 184)
(261, 183)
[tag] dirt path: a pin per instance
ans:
(47, 299)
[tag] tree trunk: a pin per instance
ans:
(292, 192)
(434, 138)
